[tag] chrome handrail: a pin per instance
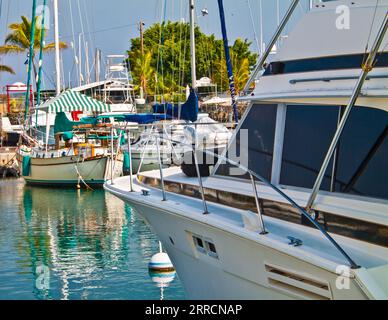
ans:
(302, 211)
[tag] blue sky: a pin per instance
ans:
(109, 25)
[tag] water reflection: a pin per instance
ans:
(71, 244)
(162, 280)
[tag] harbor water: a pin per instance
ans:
(75, 244)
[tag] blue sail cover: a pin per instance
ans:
(189, 110)
(145, 118)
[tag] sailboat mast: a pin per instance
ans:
(57, 56)
(192, 45)
(30, 60)
(42, 35)
(229, 66)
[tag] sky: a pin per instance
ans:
(110, 25)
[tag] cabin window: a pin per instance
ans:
(253, 145)
(308, 133)
(339, 62)
(199, 244)
(205, 246)
(211, 249)
(363, 154)
(361, 165)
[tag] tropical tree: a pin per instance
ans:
(142, 70)
(19, 40)
(164, 68)
(242, 61)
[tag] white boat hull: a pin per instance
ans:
(244, 267)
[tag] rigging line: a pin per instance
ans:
(88, 24)
(172, 47)
(160, 48)
(162, 64)
(83, 35)
(184, 55)
(180, 48)
(206, 45)
(92, 45)
(370, 30)
(80, 17)
(103, 30)
(73, 37)
(253, 25)
(48, 77)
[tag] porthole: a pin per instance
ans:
(199, 244)
(211, 248)
(206, 246)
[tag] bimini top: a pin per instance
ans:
(70, 101)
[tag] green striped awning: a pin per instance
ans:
(69, 101)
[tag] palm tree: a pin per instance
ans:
(4, 68)
(142, 70)
(18, 41)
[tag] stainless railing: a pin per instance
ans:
(253, 175)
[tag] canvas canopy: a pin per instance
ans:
(70, 101)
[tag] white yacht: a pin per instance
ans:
(297, 208)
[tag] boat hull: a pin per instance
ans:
(68, 171)
(244, 266)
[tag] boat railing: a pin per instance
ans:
(253, 176)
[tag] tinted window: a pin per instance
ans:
(352, 61)
(363, 154)
(259, 128)
(308, 133)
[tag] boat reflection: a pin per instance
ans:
(74, 239)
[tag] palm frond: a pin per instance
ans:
(4, 68)
(6, 49)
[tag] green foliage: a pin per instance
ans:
(4, 68)
(164, 68)
(19, 39)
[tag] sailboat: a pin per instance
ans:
(84, 153)
(300, 211)
(182, 125)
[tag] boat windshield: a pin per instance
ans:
(360, 165)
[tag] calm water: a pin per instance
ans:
(69, 244)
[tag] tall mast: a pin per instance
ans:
(142, 84)
(97, 62)
(192, 45)
(228, 60)
(42, 35)
(141, 26)
(57, 56)
(30, 60)
(261, 29)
